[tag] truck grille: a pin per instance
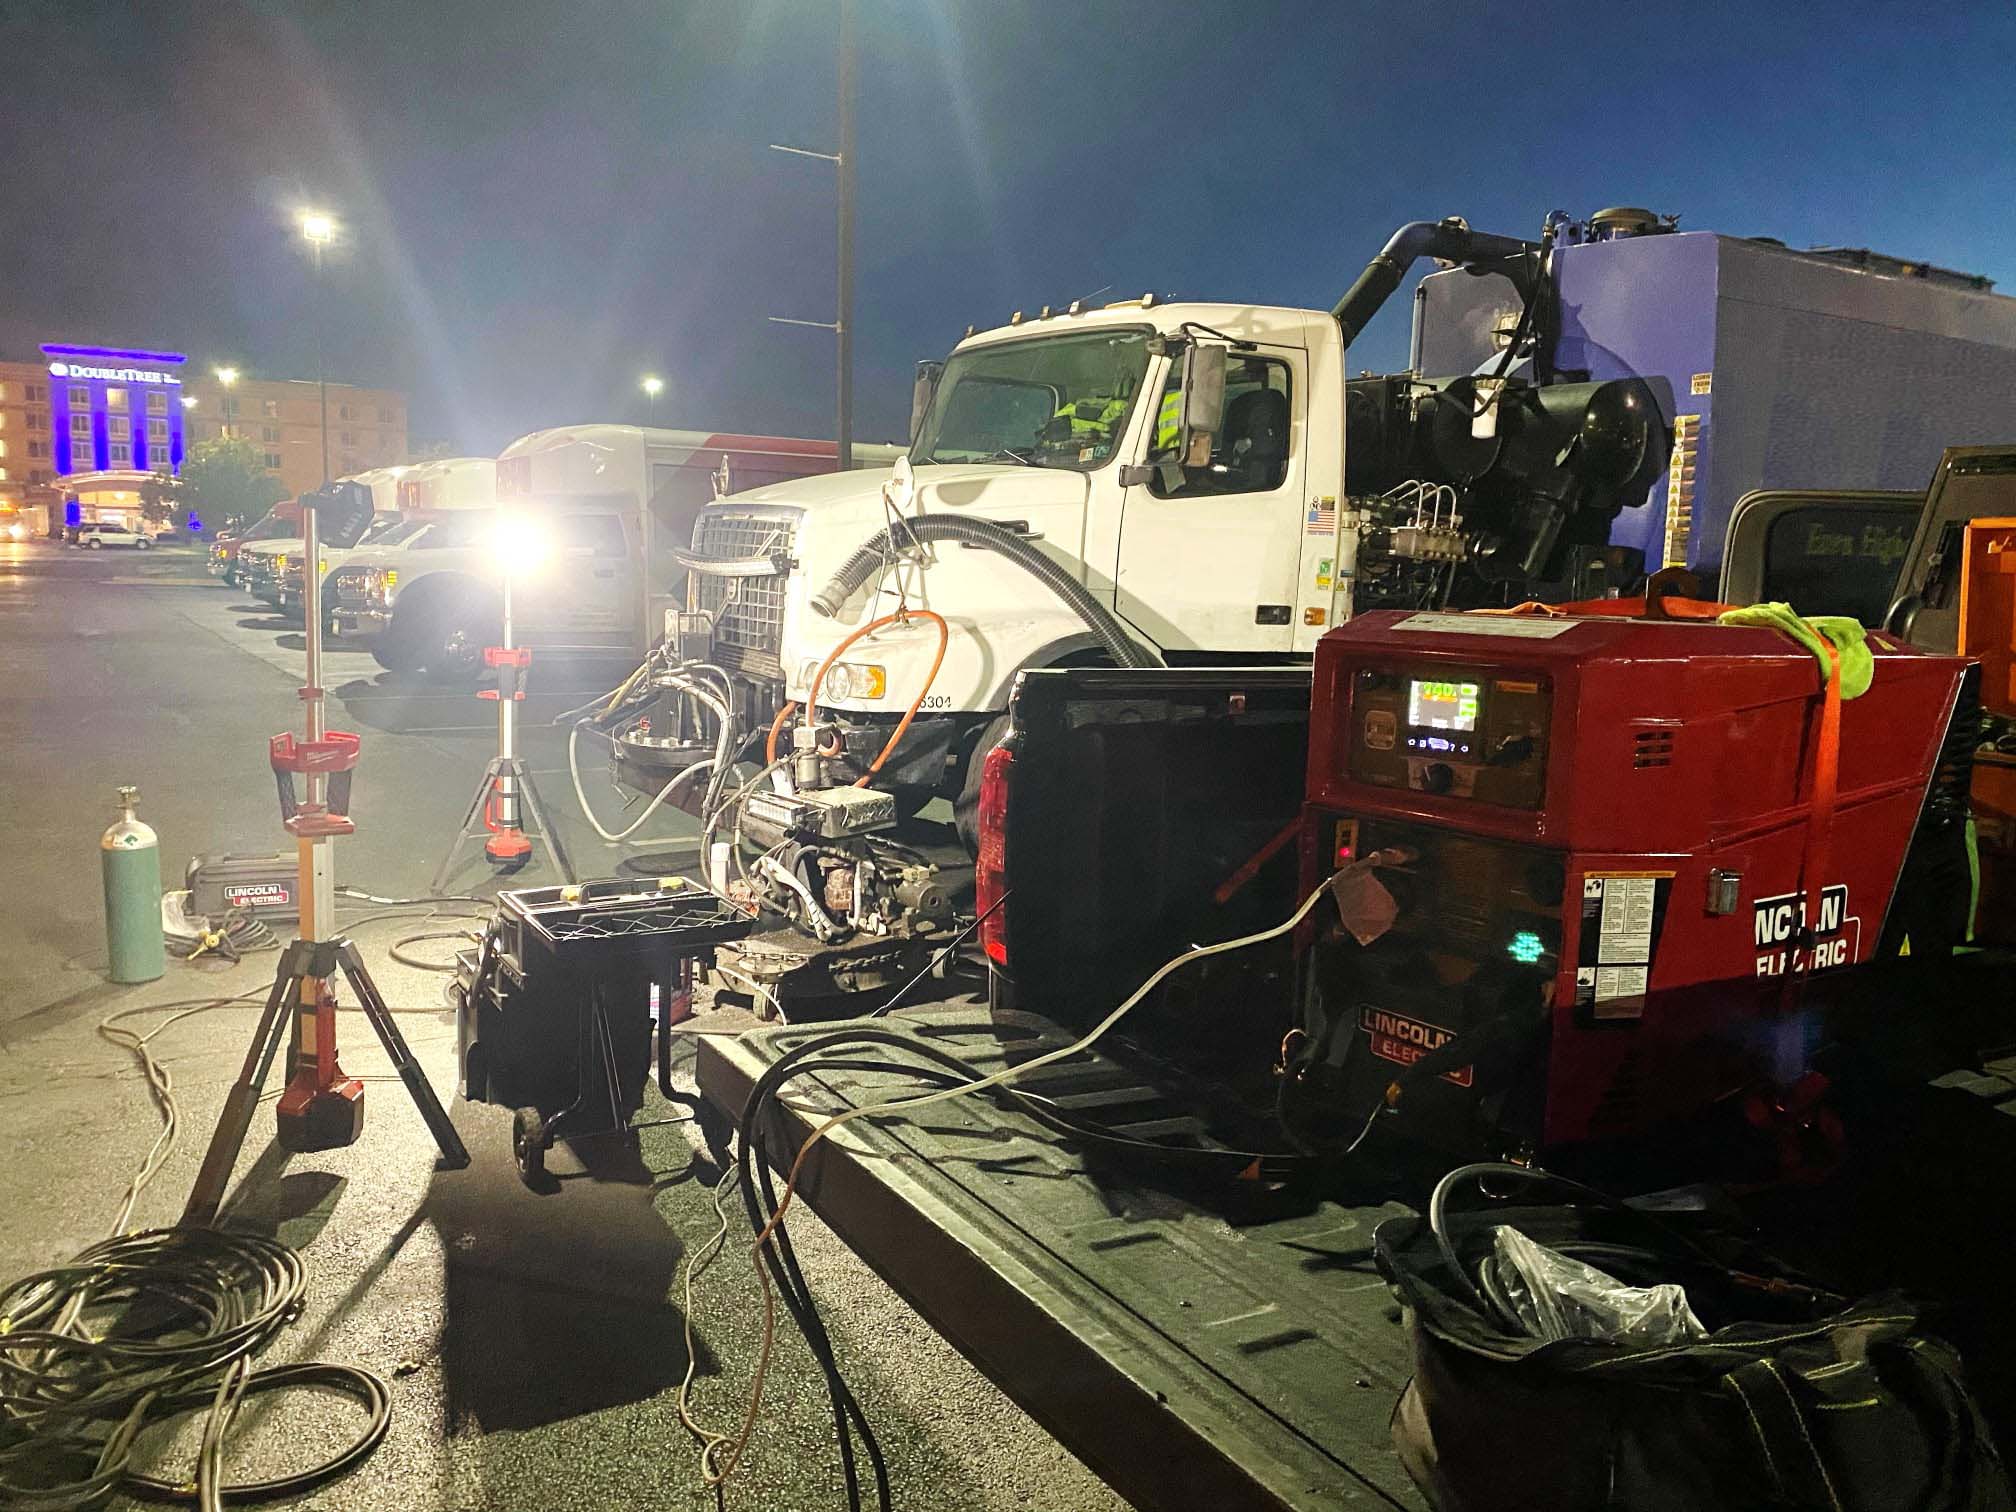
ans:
(350, 592)
(748, 612)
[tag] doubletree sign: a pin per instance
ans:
(75, 370)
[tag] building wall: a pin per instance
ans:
(367, 426)
(114, 409)
(27, 462)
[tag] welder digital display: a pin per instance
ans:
(1442, 705)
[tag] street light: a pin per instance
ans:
(653, 386)
(188, 401)
(226, 376)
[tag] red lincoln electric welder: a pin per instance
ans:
(1615, 858)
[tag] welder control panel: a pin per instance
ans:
(1465, 732)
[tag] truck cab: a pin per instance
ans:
(1066, 430)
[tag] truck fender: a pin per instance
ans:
(1079, 649)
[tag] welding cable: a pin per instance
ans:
(901, 616)
(397, 950)
(1077, 1047)
(1486, 1292)
(175, 1317)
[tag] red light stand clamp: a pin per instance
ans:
(333, 756)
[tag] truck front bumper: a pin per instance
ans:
(361, 625)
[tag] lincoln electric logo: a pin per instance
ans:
(1403, 1040)
(75, 370)
(1779, 927)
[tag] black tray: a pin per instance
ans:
(625, 915)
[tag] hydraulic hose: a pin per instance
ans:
(937, 661)
(879, 548)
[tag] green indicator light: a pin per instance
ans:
(1526, 948)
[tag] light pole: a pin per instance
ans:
(319, 229)
(226, 377)
(842, 324)
(653, 386)
(318, 878)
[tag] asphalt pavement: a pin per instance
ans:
(534, 1343)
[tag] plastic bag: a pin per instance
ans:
(1556, 1297)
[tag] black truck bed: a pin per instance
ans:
(1192, 1354)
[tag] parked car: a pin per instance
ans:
(104, 533)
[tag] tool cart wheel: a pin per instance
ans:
(528, 1146)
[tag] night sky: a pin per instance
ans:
(543, 201)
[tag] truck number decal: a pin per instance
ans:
(937, 701)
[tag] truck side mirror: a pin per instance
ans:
(1203, 399)
(921, 392)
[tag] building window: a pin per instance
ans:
(343, 412)
(384, 417)
(38, 448)
(269, 433)
(80, 424)
(157, 430)
(273, 461)
(349, 438)
(38, 393)
(37, 420)
(3, 448)
(230, 408)
(117, 425)
(3, 475)
(3, 393)
(270, 408)
(119, 451)
(38, 477)
(115, 398)
(78, 398)
(157, 402)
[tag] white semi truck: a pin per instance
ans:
(1182, 482)
(1220, 489)
(609, 502)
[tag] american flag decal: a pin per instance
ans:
(1322, 517)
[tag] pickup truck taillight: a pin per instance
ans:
(990, 867)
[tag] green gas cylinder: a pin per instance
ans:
(131, 857)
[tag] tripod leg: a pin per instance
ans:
(528, 794)
(453, 1151)
(207, 1195)
(468, 823)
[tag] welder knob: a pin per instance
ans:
(1437, 777)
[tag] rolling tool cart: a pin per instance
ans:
(555, 1010)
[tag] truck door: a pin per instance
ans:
(585, 593)
(1208, 554)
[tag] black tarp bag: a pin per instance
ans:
(1795, 1399)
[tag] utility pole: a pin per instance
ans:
(844, 316)
(842, 323)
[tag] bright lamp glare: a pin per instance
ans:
(318, 227)
(653, 385)
(521, 545)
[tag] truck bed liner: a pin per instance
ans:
(1191, 1355)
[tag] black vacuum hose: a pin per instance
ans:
(879, 548)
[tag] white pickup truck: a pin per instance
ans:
(272, 567)
(608, 500)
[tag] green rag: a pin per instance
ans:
(1850, 641)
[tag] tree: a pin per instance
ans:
(430, 451)
(224, 481)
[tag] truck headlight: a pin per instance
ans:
(848, 680)
(384, 583)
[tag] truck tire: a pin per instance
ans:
(966, 807)
(449, 639)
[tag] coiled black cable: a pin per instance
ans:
(141, 1327)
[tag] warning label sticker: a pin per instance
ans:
(1404, 1040)
(1621, 916)
(1506, 626)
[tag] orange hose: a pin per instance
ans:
(777, 728)
(901, 616)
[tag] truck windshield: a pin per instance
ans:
(1056, 401)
